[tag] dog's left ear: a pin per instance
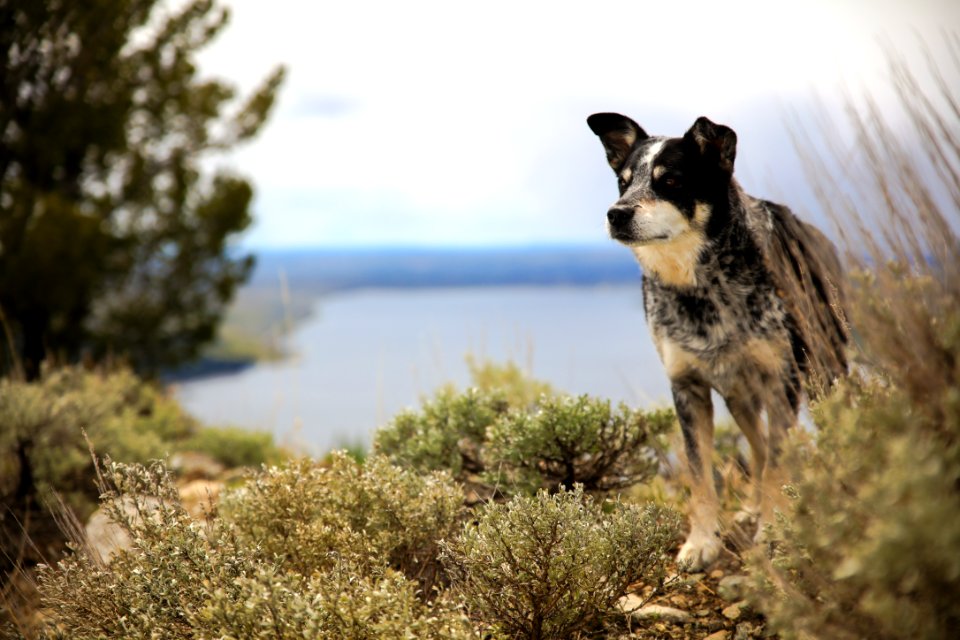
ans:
(618, 134)
(715, 141)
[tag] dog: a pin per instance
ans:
(740, 296)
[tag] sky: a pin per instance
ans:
(421, 123)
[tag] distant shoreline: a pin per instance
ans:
(285, 285)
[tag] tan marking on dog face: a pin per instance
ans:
(675, 261)
(627, 175)
(658, 171)
(701, 214)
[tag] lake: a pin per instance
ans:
(365, 355)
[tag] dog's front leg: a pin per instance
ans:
(691, 396)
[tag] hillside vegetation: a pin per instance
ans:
(395, 545)
(509, 510)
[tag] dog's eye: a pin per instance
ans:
(671, 182)
(621, 183)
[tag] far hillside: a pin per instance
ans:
(324, 270)
(285, 286)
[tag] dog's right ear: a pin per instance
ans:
(618, 134)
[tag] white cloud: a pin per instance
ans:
(446, 122)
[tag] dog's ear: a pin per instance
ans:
(716, 142)
(618, 134)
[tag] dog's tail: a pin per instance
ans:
(810, 281)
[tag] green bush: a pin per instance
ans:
(234, 446)
(348, 549)
(554, 566)
(122, 416)
(155, 588)
(181, 579)
(576, 440)
(48, 427)
(870, 544)
(340, 603)
(519, 389)
(450, 430)
(312, 515)
(511, 434)
(43, 450)
(447, 433)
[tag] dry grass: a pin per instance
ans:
(870, 543)
(893, 194)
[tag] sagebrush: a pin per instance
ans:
(312, 515)
(183, 579)
(515, 435)
(554, 565)
(348, 549)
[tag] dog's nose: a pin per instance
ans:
(619, 216)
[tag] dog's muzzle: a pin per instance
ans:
(619, 218)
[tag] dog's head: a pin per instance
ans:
(669, 187)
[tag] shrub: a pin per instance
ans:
(310, 515)
(552, 566)
(576, 440)
(341, 603)
(870, 544)
(513, 434)
(122, 415)
(450, 430)
(234, 446)
(518, 389)
(156, 587)
(42, 448)
(447, 433)
(180, 579)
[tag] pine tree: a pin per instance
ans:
(115, 238)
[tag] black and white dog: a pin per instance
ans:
(740, 296)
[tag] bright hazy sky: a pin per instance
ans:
(405, 122)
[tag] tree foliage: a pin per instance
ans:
(113, 240)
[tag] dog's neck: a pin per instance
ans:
(674, 263)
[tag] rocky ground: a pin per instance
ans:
(700, 605)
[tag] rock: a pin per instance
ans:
(735, 610)
(200, 496)
(723, 634)
(630, 603)
(634, 606)
(732, 588)
(747, 631)
(191, 465)
(104, 537)
(657, 611)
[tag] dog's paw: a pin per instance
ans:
(699, 552)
